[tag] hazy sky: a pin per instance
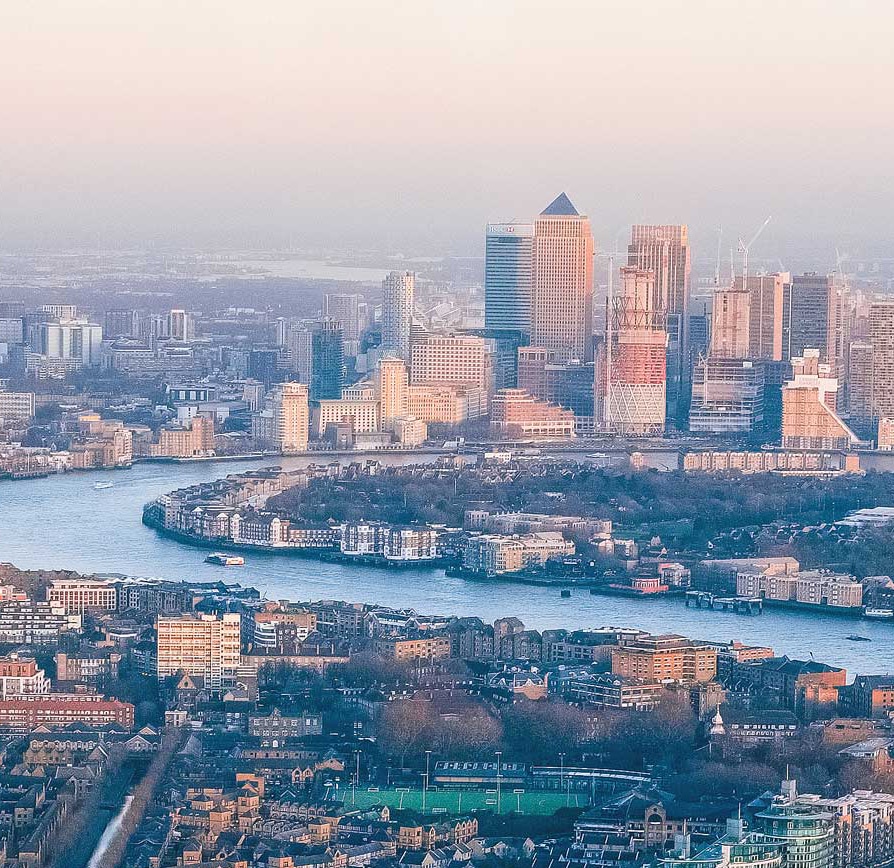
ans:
(407, 125)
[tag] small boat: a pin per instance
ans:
(855, 638)
(223, 560)
(566, 593)
(101, 486)
(878, 613)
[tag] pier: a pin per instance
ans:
(739, 605)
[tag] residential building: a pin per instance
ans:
(16, 406)
(868, 696)
(508, 276)
(21, 675)
(290, 417)
(809, 400)
(614, 691)
(815, 310)
(185, 441)
(24, 622)
(562, 299)
(352, 312)
(666, 658)
(24, 713)
(446, 405)
(492, 554)
(881, 337)
(398, 289)
(207, 646)
(78, 596)
(363, 416)
(422, 646)
(278, 726)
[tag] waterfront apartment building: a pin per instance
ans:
(493, 554)
(363, 416)
(291, 417)
(508, 276)
(562, 300)
(398, 290)
(809, 407)
(814, 587)
(459, 360)
(280, 625)
(635, 357)
(207, 646)
(666, 658)
(447, 405)
(517, 414)
(664, 250)
(392, 384)
(78, 596)
(179, 441)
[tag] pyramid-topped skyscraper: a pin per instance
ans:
(562, 303)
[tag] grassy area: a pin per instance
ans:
(461, 801)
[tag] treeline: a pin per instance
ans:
(698, 505)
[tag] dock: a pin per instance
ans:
(739, 605)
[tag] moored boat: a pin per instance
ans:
(224, 560)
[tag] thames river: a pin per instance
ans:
(63, 522)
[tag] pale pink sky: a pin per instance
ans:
(407, 125)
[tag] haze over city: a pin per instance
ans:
(407, 126)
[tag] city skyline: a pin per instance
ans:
(235, 129)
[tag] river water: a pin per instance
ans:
(64, 522)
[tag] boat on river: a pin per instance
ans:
(225, 560)
(878, 613)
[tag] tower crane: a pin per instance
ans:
(744, 248)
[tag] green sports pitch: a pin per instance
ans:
(451, 802)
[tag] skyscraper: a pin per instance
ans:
(327, 360)
(664, 249)
(350, 310)
(508, 276)
(815, 316)
(291, 420)
(562, 301)
(398, 290)
(636, 348)
(730, 324)
(881, 336)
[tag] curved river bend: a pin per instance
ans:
(65, 523)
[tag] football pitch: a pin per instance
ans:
(451, 802)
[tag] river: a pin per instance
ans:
(63, 522)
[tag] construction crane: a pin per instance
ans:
(744, 248)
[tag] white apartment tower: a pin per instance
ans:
(398, 289)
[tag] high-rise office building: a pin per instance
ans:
(393, 384)
(881, 336)
(327, 360)
(398, 290)
(508, 276)
(664, 249)
(727, 396)
(816, 316)
(350, 309)
(291, 419)
(121, 324)
(730, 324)
(77, 340)
(765, 294)
(181, 326)
(860, 409)
(562, 301)
(567, 385)
(454, 359)
(206, 646)
(635, 357)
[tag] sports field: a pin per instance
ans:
(459, 801)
